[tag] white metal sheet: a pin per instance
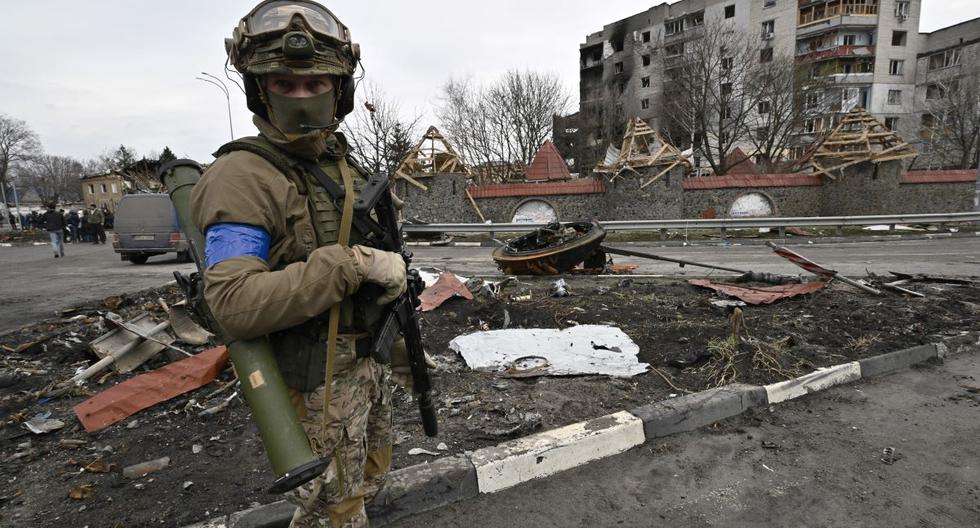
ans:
(583, 349)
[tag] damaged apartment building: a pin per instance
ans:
(867, 53)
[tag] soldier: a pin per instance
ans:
(275, 261)
(95, 219)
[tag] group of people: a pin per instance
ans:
(71, 227)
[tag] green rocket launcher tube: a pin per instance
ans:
(285, 441)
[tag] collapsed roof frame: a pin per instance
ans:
(426, 159)
(859, 137)
(637, 152)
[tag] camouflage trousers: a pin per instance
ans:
(357, 437)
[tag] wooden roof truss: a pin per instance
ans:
(642, 147)
(858, 137)
(432, 155)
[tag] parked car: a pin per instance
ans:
(146, 225)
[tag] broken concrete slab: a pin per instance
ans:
(691, 411)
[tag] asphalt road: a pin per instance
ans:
(947, 256)
(810, 462)
(35, 286)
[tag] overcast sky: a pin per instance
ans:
(90, 75)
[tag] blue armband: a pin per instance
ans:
(225, 241)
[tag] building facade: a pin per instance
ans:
(865, 53)
(103, 190)
(947, 97)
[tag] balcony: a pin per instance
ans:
(833, 23)
(850, 78)
(837, 52)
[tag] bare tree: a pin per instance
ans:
(53, 178)
(707, 99)
(377, 130)
(18, 144)
(786, 97)
(502, 126)
(952, 127)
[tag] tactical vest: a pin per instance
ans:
(301, 350)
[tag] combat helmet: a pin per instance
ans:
(298, 37)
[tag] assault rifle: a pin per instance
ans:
(382, 232)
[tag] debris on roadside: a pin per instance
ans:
(41, 423)
(96, 466)
(762, 294)
(559, 289)
(798, 231)
(582, 349)
(520, 423)
(522, 296)
(553, 249)
(123, 350)
(415, 451)
(136, 471)
(727, 305)
(118, 322)
(817, 269)
(447, 286)
(889, 455)
(81, 491)
(183, 325)
(932, 278)
(146, 390)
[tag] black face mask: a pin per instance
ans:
(296, 116)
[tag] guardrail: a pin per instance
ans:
(715, 223)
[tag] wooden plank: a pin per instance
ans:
(475, 207)
(661, 173)
(411, 180)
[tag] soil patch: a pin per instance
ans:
(217, 463)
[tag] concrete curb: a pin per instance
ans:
(427, 486)
(691, 411)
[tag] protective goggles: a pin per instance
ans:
(272, 18)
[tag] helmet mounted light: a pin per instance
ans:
(297, 45)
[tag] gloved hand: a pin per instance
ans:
(401, 369)
(384, 268)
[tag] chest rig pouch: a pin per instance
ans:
(301, 350)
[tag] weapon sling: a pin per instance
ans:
(333, 325)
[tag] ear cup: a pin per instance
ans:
(253, 99)
(346, 103)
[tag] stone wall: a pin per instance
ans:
(863, 189)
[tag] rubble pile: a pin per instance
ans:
(172, 462)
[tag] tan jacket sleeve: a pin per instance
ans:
(247, 298)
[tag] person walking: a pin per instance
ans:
(54, 222)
